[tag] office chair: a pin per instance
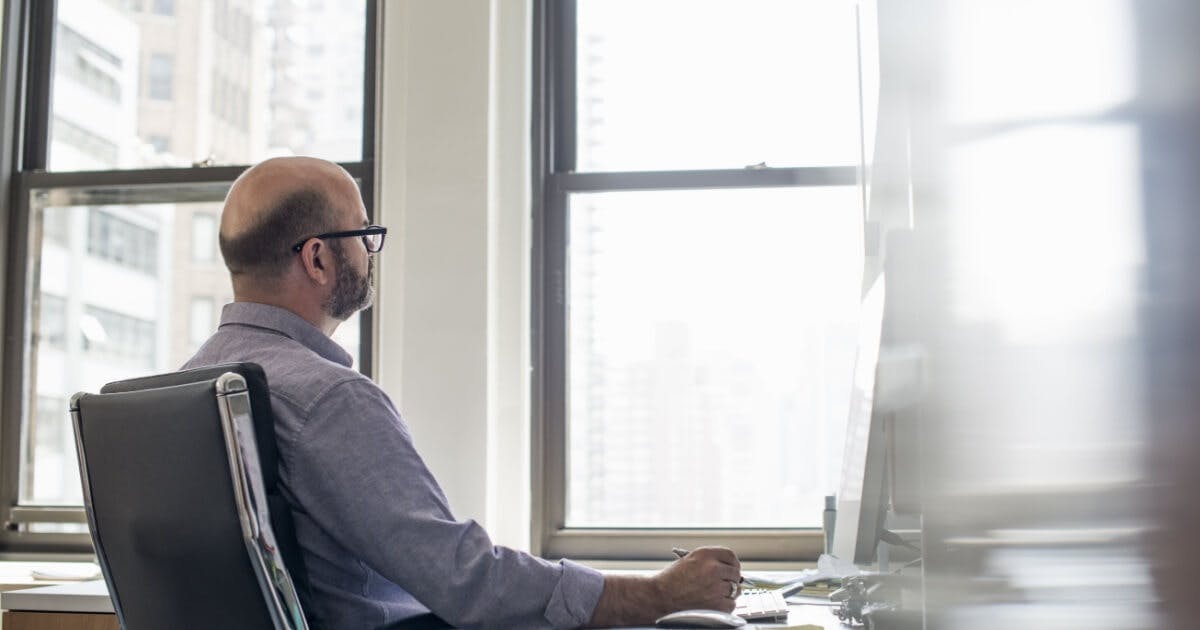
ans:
(179, 474)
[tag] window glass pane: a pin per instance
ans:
(117, 337)
(988, 80)
(139, 85)
(125, 240)
(347, 336)
(118, 296)
(52, 321)
(51, 444)
(696, 84)
(711, 339)
(89, 149)
(204, 237)
(202, 322)
(162, 73)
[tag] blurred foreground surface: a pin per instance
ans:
(1043, 264)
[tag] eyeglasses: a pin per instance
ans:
(372, 237)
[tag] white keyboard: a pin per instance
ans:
(760, 603)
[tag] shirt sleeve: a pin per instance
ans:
(372, 491)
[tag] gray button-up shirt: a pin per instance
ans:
(375, 529)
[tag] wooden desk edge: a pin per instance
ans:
(38, 620)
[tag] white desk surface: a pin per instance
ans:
(87, 597)
(92, 597)
(819, 616)
(800, 616)
(19, 574)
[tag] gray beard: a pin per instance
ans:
(351, 292)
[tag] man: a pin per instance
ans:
(376, 532)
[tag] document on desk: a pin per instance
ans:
(828, 568)
(779, 579)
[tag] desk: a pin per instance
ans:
(72, 606)
(86, 606)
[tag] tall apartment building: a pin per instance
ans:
(315, 96)
(132, 289)
(203, 93)
(316, 83)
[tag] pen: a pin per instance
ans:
(679, 553)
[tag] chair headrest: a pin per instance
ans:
(260, 404)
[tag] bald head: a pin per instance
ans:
(275, 204)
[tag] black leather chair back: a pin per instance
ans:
(161, 501)
(268, 452)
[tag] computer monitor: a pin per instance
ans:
(860, 500)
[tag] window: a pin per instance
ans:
(161, 144)
(122, 337)
(56, 227)
(204, 237)
(52, 321)
(162, 73)
(89, 146)
(89, 64)
(201, 321)
(55, 478)
(700, 250)
(116, 229)
(122, 241)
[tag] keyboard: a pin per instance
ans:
(760, 603)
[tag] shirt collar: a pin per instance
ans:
(289, 324)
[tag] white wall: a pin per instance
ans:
(453, 310)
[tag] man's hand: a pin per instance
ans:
(704, 578)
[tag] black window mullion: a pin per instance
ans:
(132, 177)
(685, 180)
(161, 176)
(364, 172)
(541, 139)
(554, 359)
(369, 63)
(11, 247)
(39, 47)
(561, 88)
(15, 50)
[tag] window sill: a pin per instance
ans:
(634, 566)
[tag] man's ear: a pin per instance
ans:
(315, 258)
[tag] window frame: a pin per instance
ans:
(26, 81)
(554, 180)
